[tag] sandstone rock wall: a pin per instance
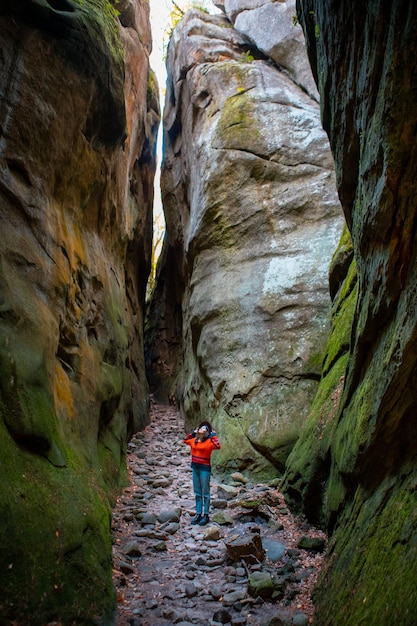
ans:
(357, 456)
(78, 119)
(252, 221)
(272, 27)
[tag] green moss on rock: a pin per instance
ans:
(309, 485)
(374, 552)
(237, 120)
(55, 561)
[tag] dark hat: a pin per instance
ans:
(207, 425)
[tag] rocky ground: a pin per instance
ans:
(254, 563)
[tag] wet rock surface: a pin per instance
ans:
(167, 571)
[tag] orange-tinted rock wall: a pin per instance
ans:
(78, 120)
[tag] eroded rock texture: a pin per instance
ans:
(78, 117)
(355, 464)
(272, 27)
(240, 313)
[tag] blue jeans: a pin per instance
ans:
(201, 486)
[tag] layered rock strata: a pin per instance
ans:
(78, 119)
(240, 312)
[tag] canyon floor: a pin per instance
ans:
(167, 571)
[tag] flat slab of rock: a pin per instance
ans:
(172, 515)
(227, 492)
(246, 548)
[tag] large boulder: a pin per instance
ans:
(78, 119)
(359, 448)
(252, 221)
(273, 28)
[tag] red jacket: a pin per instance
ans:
(201, 451)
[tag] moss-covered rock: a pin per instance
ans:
(77, 165)
(55, 561)
(362, 475)
(306, 480)
(373, 551)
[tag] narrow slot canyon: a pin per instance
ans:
(228, 240)
(168, 571)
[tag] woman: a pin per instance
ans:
(202, 441)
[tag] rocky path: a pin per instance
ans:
(167, 571)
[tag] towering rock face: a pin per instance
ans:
(240, 312)
(272, 28)
(356, 461)
(78, 118)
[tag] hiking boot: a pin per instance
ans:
(196, 519)
(204, 520)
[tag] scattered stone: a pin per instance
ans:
(171, 528)
(215, 562)
(231, 597)
(126, 568)
(141, 471)
(274, 549)
(216, 591)
(146, 518)
(281, 618)
(293, 552)
(304, 574)
(239, 478)
(172, 614)
(227, 492)
(174, 515)
(161, 482)
(222, 616)
(246, 547)
(300, 619)
(146, 532)
(256, 567)
(133, 549)
(286, 570)
(222, 518)
(315, 544)
(219, 503)
(264, 585)
(212, 534)
(176, 555)
(190, 590)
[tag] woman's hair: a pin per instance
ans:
(210, 429)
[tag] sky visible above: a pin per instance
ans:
(161, 24)
(160, 14)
